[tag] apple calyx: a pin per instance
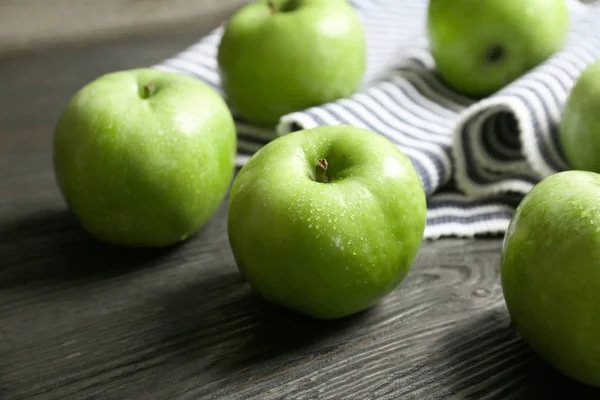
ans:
(495, 53)
(272, 7)
(147, 90)
(321, 170)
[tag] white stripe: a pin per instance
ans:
(204, 47)
(539, 114)
(302, 119)
(194, 69)
(241, 159)
(439, 110)
(383, 114)
(430, 94)
(459, 101)
(199, 58)
(492, 226)
(477, 211)
(418, 109)
(435, 130)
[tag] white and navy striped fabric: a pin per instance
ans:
(476, 159)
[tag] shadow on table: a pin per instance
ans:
(51, 246)
(487, 358)
(222, 326)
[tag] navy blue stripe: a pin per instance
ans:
(507, 130)
(470, 219)
(470, 161)
(398, 116)
(435, 83)
(434, 204)
(542, 144)
(486, 134)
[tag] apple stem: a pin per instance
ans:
(321, 171)
(272, 7)
(148, 90)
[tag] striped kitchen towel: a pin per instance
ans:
(476, 159)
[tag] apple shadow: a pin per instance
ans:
(50, 246)
(221, 324)
(486, 357)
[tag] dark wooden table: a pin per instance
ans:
(82, 320)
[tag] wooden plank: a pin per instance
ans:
(30, 24)
(81, 320)
(26, 24)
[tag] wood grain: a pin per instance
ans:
(82, 320)
(30, 24)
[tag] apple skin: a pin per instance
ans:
(144, 172)
(579, 128)
(481, 46)
(551, 272)
(310, 52)
(327, 250)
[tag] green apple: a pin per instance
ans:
(551, 272)
(144, 157)
(480, 46)
(326, 221)
(280, 56)
(579, 128)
